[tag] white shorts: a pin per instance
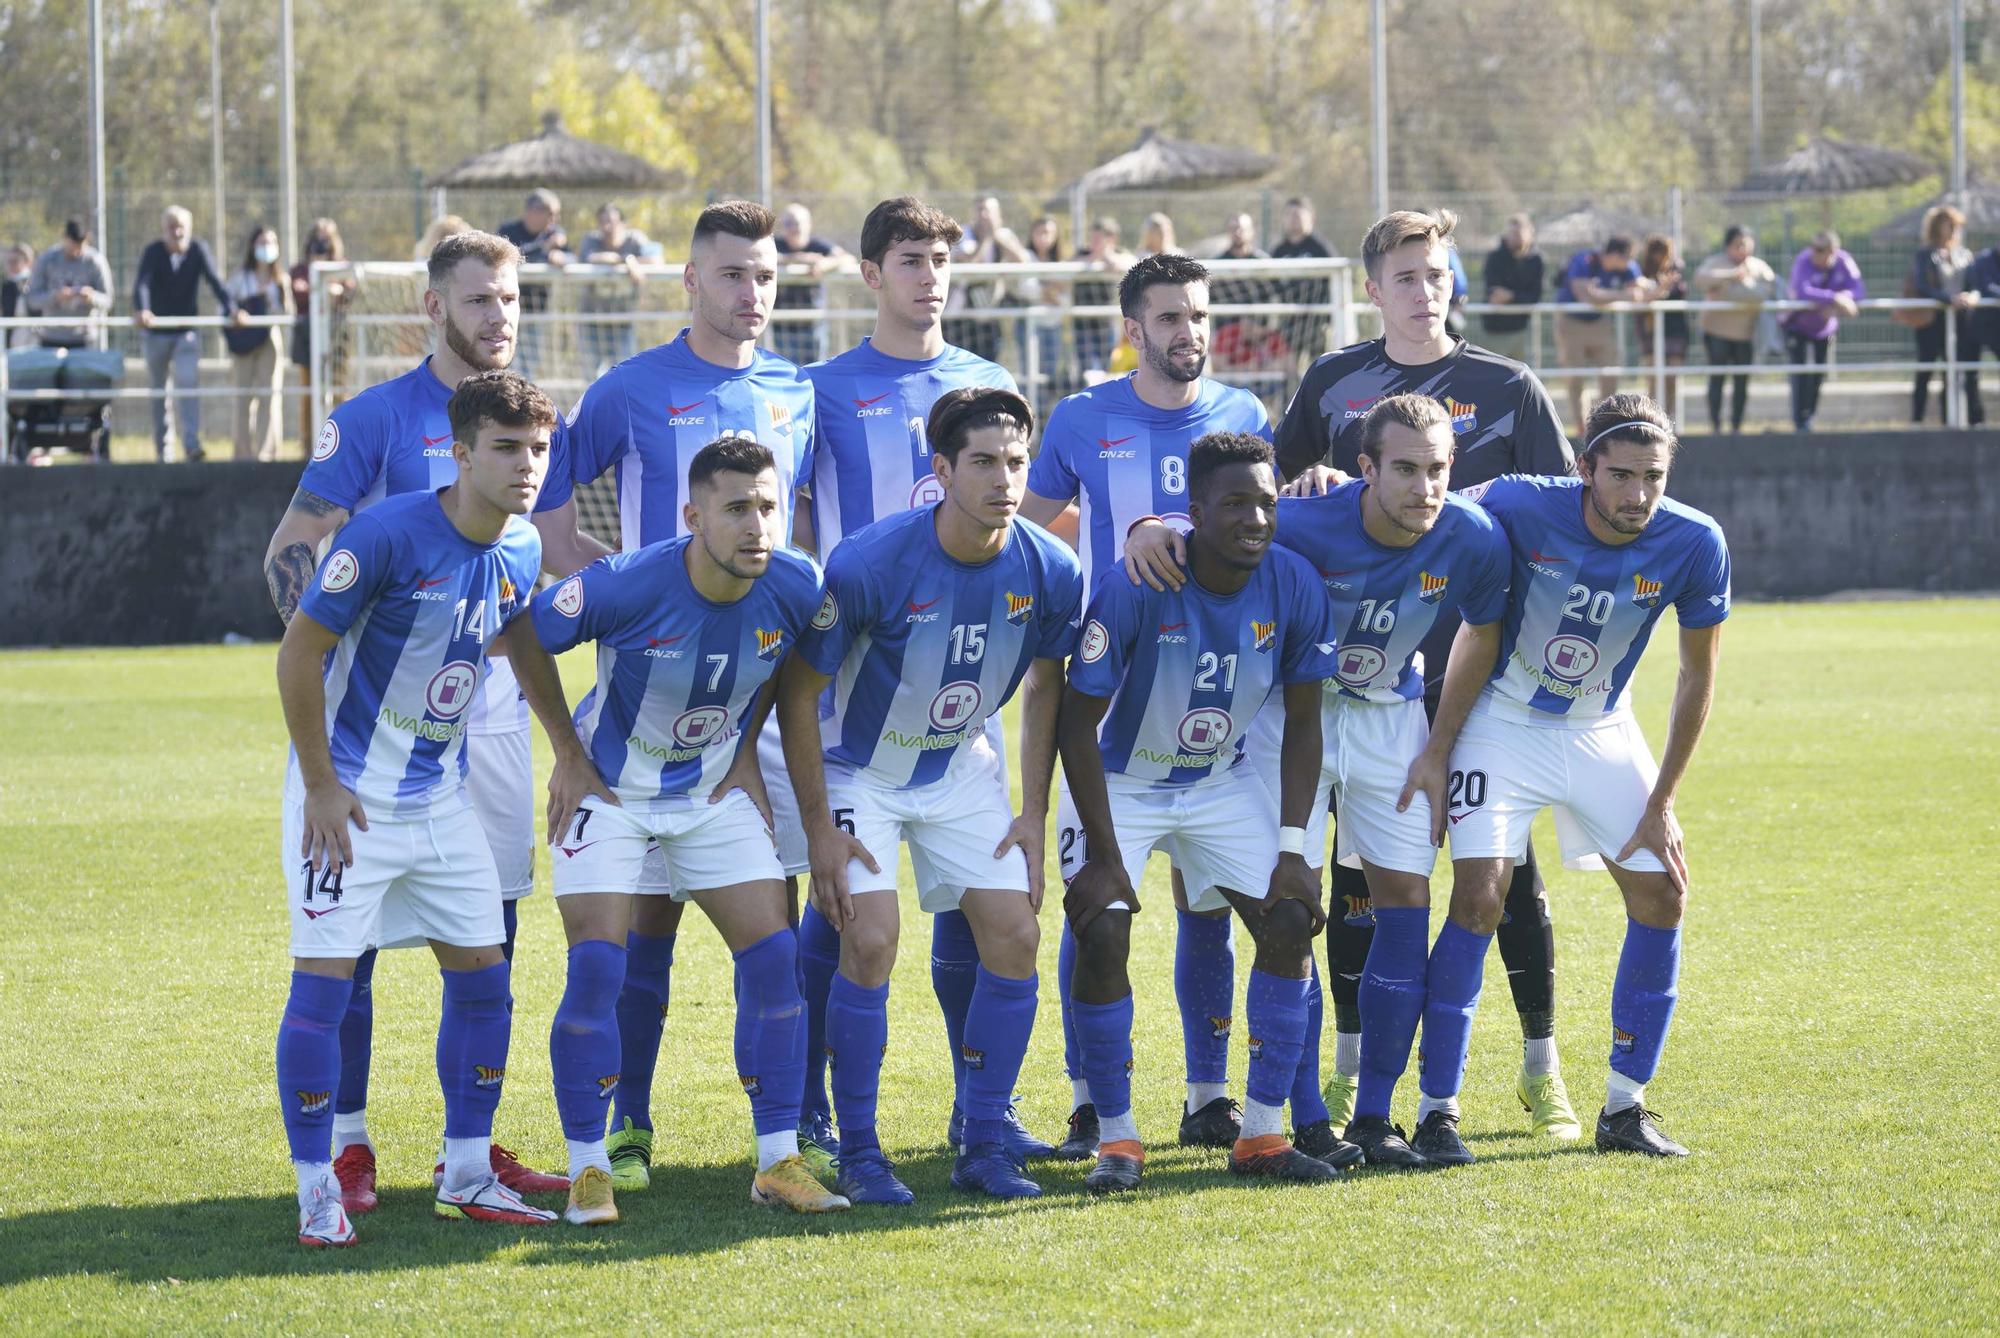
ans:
(1506, 767)
(698, 845)
(1367, 748)
(500, 778)
(655, 879)
(952, 826)
(1219, 833)
(433, 877)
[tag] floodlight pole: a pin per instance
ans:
(764, 101)
(1756, 85)
(1378, 90)
(219, 229)
(99, 202)
(1958, 102)
(288, 130)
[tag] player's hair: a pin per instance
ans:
(737, 218)
(503, 398)
(1219, 450)
(1419, 413)
(1432, 227)
(1617, 244)
(1626, 417)
(1940, 222)
(1168, 267)
(490, 247)
(959, 413)
(729, 455)
(905, 219)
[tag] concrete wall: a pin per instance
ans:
(143, 554)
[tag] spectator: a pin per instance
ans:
(1240, 343)
(1585, 339)
(800, 252)
(171, 271)
(1826, 276)
(1095, 336)
(989, 241)
(439, 228)
(322, 244)
(538, 234)
(1240, 240)
(1157, 237)
(1662, 264)
(71, 278)
(1983, 280)
(1300, 240)
(1938, 271)
(258, 288)
(609, 342)
(1512, 277)
(1045, 247)
(20, 265)
(1733, 274)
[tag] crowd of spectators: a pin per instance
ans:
(72, 278)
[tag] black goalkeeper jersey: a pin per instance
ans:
(1499, 409)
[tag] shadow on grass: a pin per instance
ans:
(688, 1211)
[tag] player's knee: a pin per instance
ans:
(1106, 942)
(1286, 930)
(656, 917)
(1009, 949)
(1656, 903)
(868, 951)
(1476, 906)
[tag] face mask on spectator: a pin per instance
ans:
(266, 253)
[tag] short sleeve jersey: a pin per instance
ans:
(922, 648)
(1187, 671)
(1590, 265)
(415, 605)
(647, 417)
(677, 674)
(1581, 610)
(870, 456)
(1120, 458)
(1385, 600)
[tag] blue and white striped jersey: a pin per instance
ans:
(922, 648)
(1581, 610)
(870, 456)
(1121, 458)
(648, 416)
(676, 673)
(1187, 671)
(415, 605)
(1386, 600)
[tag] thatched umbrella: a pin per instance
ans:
(1981, 205)
(554, 158)
(1158, 162)
(1825, 166)
(1587, 225)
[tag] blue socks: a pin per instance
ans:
(1642, 999)
(1065, 974)
(510, 916)
(954, 964)
(1308, 1105)
(819, 958)
(1458, 965)
(1275, 1008)
(357, 1038)
(771, 1031)
(642, 1016)
(857, 1032)
(1104, 1033)
(473, 1033)
(1394, 984)
(583, 1039)
(309, 1063)
(997, 1028)
(1205, 989)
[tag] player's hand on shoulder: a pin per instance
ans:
(1155, 552)
(1292, 880)
(328, 810)
(1031, 835)
(574, 779)
(1314, 481)
(1092, 891)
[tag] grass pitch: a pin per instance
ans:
(1831, 1064)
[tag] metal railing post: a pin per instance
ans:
(1954, 401)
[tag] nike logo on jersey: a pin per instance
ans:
(919, 608)
(665, 640)
(862, 404)
(1172, 627)
(1545, 557)
(683, 408)
(1108, 444)
(425, 585)
(432, 441)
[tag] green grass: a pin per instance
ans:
(1832, 1064)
